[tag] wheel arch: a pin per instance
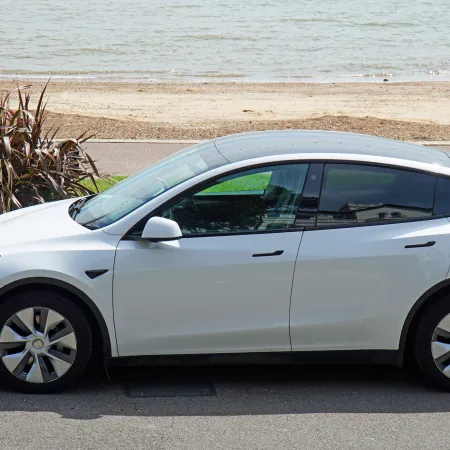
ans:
(93, 314)
(412, 319)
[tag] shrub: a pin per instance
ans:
(34, 168)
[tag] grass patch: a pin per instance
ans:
(253, 182)
(102, 185)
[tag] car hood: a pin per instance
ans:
(38, 223)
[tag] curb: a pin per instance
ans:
(141, 141)
(188, 141)
(431, 143)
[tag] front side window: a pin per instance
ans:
(354, 194)
(256, 200)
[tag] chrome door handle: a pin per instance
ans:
(427, 244)
(276, 253)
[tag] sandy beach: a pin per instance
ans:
(408, 111)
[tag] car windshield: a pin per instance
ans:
(106, 208)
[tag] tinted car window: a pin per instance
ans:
(442, 198)
(255, 200)
(353, 194)
(103, 209)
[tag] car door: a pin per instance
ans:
(377, 246)
(225, 286)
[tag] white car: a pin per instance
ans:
(272, 246)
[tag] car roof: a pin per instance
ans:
(244, 146)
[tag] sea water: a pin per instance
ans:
(226, 40)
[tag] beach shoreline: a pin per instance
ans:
(117, 110)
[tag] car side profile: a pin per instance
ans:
(284, 246)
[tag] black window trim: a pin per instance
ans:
(373, 224)
(207, 183)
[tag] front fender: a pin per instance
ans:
(106, 327)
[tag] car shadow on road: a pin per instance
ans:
(257, 390)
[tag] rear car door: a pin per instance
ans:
(380, 241)
(225, 287)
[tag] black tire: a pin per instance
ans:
(67, 308)
(423, 340)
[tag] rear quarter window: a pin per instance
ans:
(442, 197)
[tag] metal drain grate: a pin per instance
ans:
(169, 389)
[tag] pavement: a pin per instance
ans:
(302, 407)
(128, 157)
(307, 407)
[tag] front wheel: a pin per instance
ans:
(432, 344)
(45, 342)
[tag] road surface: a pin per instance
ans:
(313, 407)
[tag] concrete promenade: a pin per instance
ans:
(128, 157)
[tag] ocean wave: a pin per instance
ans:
(422, 73)
(215, 37)
(188, 6)
(311, 19)
(377, 75)
(389, 24)
(166, 77)
(77, 72)
(297, 77)
(101, 50)
(211, 75)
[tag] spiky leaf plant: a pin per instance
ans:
(34, 168)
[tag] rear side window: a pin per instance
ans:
(442, 199)
(354, 194)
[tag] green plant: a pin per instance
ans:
(34, 168)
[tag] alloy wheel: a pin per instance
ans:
(440, 345)
(38, 345)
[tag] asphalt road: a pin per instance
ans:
(312, 407)
(308, 407)
(129, 157)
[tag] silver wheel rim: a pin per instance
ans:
(38, 345)
(440, 346)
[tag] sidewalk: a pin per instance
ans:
(128, 157)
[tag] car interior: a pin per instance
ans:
(272, 207)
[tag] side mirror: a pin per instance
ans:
(158, 229)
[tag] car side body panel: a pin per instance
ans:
(354, 287)
(204, 295)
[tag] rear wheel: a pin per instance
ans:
(45, 342)
(432, 344)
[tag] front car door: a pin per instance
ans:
(380, 242)
(225, 286)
